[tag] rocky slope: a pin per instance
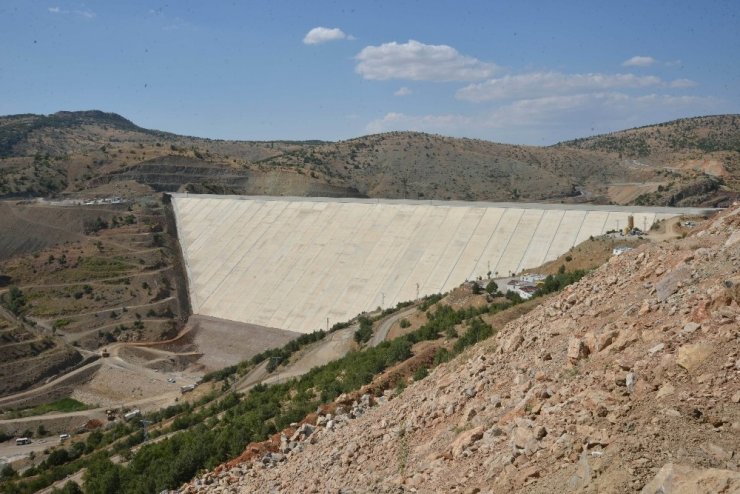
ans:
(628, 380)
(415, 165)
(91, 152)
(699, 157)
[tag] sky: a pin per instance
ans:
(522, 72)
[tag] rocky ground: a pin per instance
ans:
(628, 381)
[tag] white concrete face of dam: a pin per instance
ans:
(293, 263)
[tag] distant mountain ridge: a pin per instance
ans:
(706, 134)
(693, 161)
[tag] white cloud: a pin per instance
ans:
(551, 119)
(683, 83)
(320, 35)
(639, 61)
(176, 24)
(422, 123)
(419, 62)
(402, 91)
(607, 111)
(541, 84)
(87, 14)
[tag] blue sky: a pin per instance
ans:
(530, 72)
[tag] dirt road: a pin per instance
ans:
(382, 332)
(336, 345)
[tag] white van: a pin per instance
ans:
(22, 440)
(63, 437)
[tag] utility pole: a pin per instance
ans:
(327, 324)
(382, 303)
(417, 291)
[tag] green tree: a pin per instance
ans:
(103, 477)
(70, 487)
(7, 472)
(492, 288)
(15, 300)
(366, 330)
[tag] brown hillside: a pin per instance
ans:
(70, 153)
(423, 166)
(695, 155)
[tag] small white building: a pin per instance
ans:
(620, 250)
(533, 277)
(524, 289)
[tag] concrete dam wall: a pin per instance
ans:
(291, 263)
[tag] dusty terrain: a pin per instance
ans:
(697, 158)
(79, 154)
(120, 260)
(223, 343)
(626, 381)
(78, 280)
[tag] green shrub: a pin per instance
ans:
(60, 323)
(429, 300)
(421, 373)
(492, 287)
(559, 281)
(365, 332)
(443, 355)
(477, 331)
(15, 300)
(7, 472)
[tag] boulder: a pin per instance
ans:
(513, 342)
(683, 479)
(577, 350)
(521, 436)
(669, 284)
(466, 439)
(600, 338)
(666, 389)
(690, 357)
(630, 381)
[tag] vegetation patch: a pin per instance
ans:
(65, 405)
(215, 430)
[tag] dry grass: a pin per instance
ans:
(110, 157)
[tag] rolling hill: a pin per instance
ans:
(698, 155)
(685, 162)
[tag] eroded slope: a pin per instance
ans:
(627, 380)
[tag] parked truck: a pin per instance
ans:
(187, 389)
